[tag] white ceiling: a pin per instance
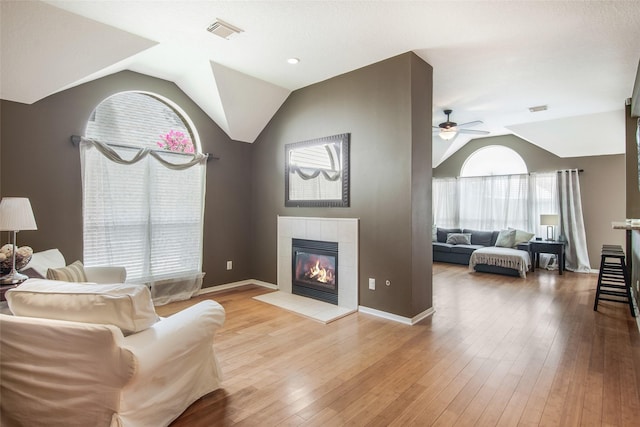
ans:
(492, 60)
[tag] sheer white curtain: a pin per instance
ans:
(143, 215)
(494, 202)
(572, 222)
(445, 202)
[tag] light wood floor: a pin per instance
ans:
(497, 351)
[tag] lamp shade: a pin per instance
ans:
(16, 214)
(549, 219)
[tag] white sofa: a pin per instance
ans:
(68, 373)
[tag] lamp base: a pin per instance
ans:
(550, 236)
(13, 278)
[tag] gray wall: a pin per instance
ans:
(386, 107)
(38, 161)
(601, 183)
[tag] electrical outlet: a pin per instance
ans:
(229, 265)
(388, 283)
(372, 284)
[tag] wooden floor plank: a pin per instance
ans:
(498, 351)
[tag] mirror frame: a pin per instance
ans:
(343, 140)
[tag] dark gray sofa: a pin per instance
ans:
(460, 254)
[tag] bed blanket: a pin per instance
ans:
(501, 257)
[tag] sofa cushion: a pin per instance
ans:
(442, 247)
(73, 272)
(459, 238)
(506, 239)
(483, 238)
(129, 307)
(442, 233)
(465, 249)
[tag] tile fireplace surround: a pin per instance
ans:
(341, 230)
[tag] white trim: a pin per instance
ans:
(232, 285)
(401, 319)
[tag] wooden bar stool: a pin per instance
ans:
(614, 284)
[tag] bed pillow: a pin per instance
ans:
(443, 232)
(73, 272)
(129, 307)
(506, 239)
(521, 236)
(458, 239)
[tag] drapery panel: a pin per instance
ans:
(572, 221)
(145, 211)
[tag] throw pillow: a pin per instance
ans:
(521, 236)
(434, 233)
(443, 232)
(71, 273)
(459, 239)
(129, 307)
(506, 239)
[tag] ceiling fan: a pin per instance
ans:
(449, 130)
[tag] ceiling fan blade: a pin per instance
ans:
(469, 124)
(474, 132)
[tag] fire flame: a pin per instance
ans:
(319, 273)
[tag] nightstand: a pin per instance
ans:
(537, 247)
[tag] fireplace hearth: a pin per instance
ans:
(315, 269)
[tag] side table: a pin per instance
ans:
(537, 247)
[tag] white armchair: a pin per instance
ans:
(53, 258)
(69, 373)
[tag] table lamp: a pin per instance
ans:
(15, 215)
(550, 220)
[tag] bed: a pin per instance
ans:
(513, 262)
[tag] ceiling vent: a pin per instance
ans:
(538, 108)
(223, 29)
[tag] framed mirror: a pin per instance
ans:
(317, 172)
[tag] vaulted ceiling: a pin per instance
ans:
(491, 60)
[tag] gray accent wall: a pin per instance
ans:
(602, 185)
(386, 107)
(38, 161)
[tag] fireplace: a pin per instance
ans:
(314, 271)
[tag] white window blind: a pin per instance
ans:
(143, 216)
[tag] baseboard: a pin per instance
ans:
(401, 319)
(232, 285)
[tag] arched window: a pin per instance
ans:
(143, 193)
(493, 160)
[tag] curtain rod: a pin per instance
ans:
(508, 174)
(75, 140)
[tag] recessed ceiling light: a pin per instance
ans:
(538, 108)
(293, 60)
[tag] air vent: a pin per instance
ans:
(223, 29)
(538, 108)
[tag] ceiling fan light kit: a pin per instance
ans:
(447, 134)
